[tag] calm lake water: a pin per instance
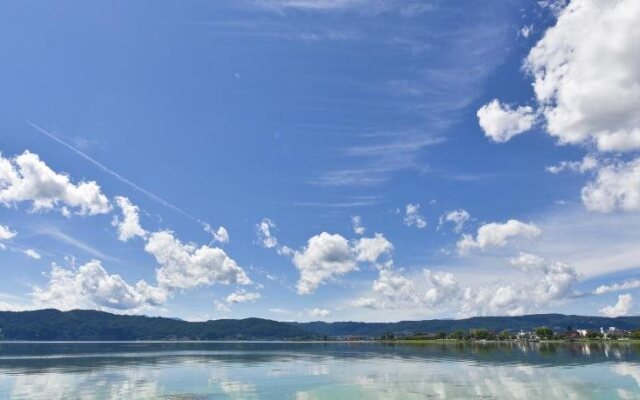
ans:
(304, 371)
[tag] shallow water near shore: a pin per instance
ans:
(302, 371)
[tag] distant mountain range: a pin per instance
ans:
(97, 325)
(557, 322)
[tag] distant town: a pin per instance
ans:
(538, 334)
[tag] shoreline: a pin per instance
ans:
(373, 341)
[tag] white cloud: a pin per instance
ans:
(242, 296)
(392, 289)
(457, 218)
(356, 222)
(328, 256)
(263, 229)
(556, 6)
(129, 226)
(616, 287)
(186, 266)
(6, 233)
(221, 235)
(497, 235)
(319, 313)
(395, 290)
(544, 284)
(547, 284)
(444, 287)
(33, 254)
(370, 249)
(366, 302)
(13, 307)
(394, 286)
(325, 257)
(25, 178)
(621, 308)
(588, 163)
(500, 122)
(587, 74)
(527, 261)
(526, 31)
(221, 307)
(90, 286)
(412, 216)
(616, 186)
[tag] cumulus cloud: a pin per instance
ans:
(25, 178)
(616, 186)
(457, 217)
(185, 266)
(395, 287)
(412, 216)
(6, 233)
(616, 287)
(325, 257)
(370, 249)
(319, 313)
(32, 254)
(129, 225)
(263, 230)
(366, 302)
(546, 284)
(444, 287)
(328, 256)
(621, 308)
(90, 286)
(356, 223)
(586, 79)
(393, 290)
(527, 261)
(242, 296)
(221, 235)
(587, 87)
(500, 122)
(588, 163)
(556, 6)
(497, 235)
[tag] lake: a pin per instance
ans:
(305, 371)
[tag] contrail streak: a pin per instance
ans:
(114, 174)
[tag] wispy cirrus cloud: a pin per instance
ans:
(57, 234)
(406, 8)
(111, 172)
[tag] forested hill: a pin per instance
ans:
(558, 322)
(98, 325)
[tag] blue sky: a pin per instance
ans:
(299, 115)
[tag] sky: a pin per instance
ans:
(370, 160)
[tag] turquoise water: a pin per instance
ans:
(304, 371)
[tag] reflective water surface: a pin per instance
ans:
(304, 371)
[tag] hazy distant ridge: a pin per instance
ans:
(97, 325)
(558, 322)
